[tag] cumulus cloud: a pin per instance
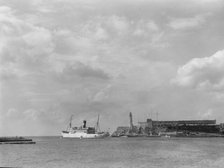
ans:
(101, 57)
(22, 45)
(144, 28)
(84, 71)
(203, 73)
(187, 23)
(119, 23)
(207, 114)
(39, 40)
(30, 114)
(102, 94)
(12, 112)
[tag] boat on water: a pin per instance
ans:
(84, 132)
(165, 136)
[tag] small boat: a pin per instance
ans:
(84, 132)
(165, 136)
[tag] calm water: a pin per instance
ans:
(116, 152)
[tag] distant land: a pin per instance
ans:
(179, 128)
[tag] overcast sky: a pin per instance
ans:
(90, 57)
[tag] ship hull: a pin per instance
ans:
(82, 135)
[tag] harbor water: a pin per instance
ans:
(116, 153)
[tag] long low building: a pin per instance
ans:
(150, 123)
(181, 125)
(186, 122)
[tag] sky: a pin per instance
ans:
(83, 58)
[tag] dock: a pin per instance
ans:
(16, 140)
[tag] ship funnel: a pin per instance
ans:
(84, 123)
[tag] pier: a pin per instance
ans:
(16, 140)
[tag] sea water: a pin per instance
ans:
(116, 153)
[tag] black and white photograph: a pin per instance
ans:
(111, 83)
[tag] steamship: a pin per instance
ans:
(83, 132)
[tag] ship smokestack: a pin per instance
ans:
(84, 123)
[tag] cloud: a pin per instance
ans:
(187, 23)
(87, 72)
(83, 71)
(102, 94)
(13, 113)
(207, 114)
(65, 57)
(31, 114)
(144, 28)
(24, 47)
(120, 24)
(39, 40)
(203, 73)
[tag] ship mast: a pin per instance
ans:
(98, 124)
(70, 123)
(131, 123)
